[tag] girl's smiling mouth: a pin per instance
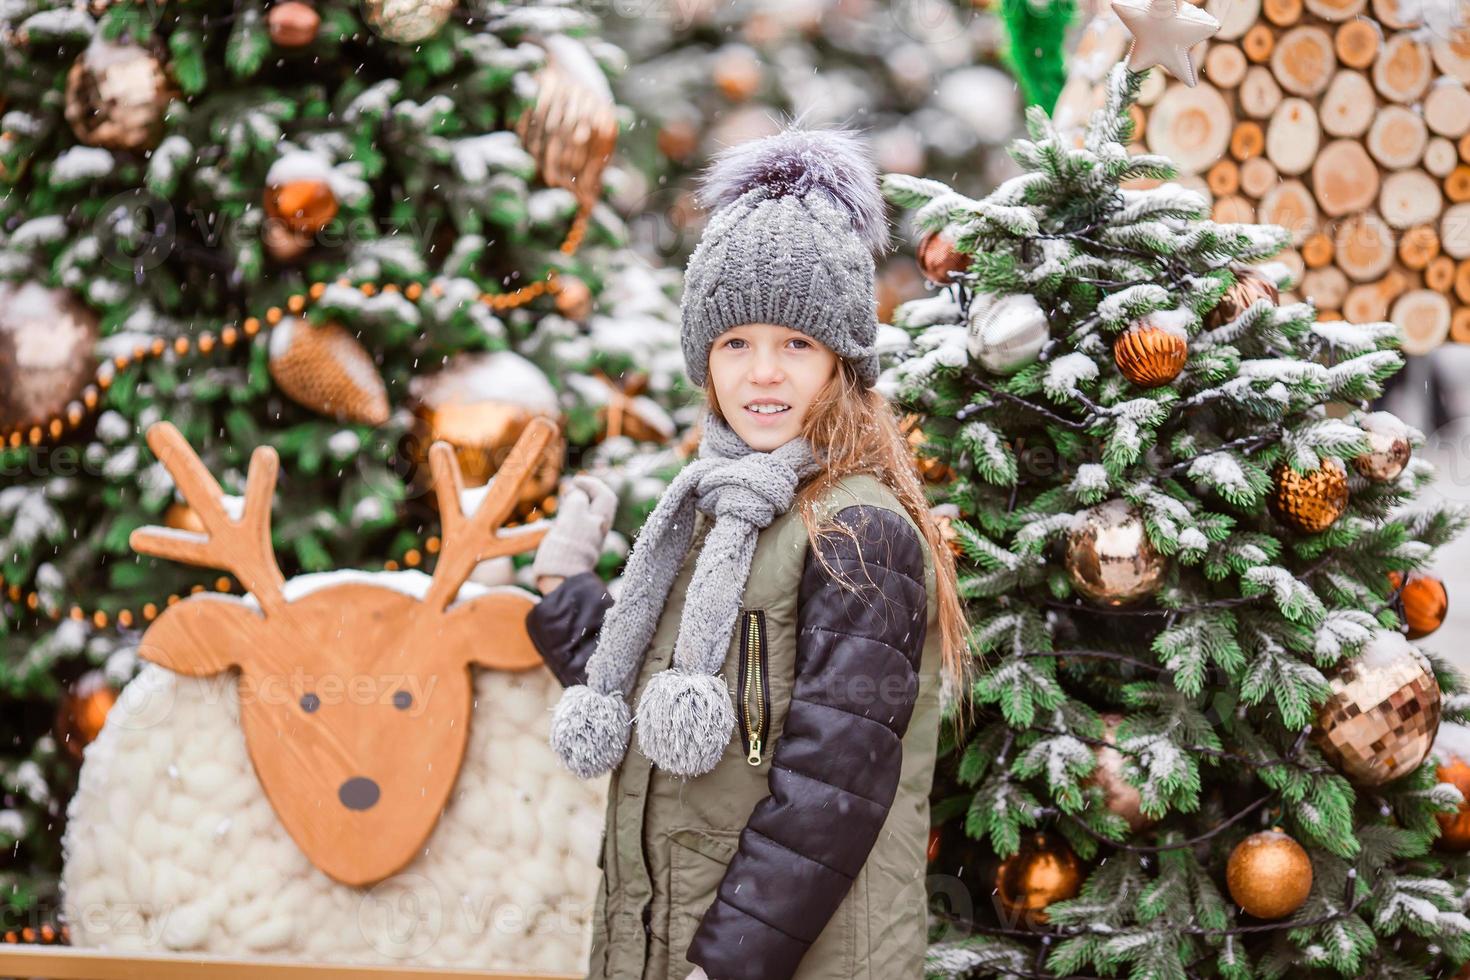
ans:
(767, 410)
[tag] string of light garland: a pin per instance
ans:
(29, 600)
(35, 433)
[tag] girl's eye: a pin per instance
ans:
(800, 344)
(735, 342)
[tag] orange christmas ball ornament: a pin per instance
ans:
(573, 298)
(1043, 871)
(1269, 875)
(292, 24)
(1454, 828)
(1424, 601)
(82, 712)
(303, 206)
(938, 258)
(738, 73)
(1150, 355)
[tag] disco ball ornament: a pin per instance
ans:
(1380, 720)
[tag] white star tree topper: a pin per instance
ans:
(1163, 32)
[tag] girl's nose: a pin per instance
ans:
(766, 369)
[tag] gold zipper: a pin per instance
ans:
(753, 684)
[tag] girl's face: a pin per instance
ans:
(765, 378)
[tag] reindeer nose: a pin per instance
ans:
(358, 793)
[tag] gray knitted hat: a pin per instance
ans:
(797, 218)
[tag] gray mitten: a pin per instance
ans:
(574, 543)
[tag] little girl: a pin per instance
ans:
(784, 616)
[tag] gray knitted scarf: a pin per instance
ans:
(685, 717)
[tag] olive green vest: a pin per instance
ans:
(669, 840)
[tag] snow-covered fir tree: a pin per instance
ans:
(310, 226)
(1182, 530)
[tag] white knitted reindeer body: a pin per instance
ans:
(316, 771)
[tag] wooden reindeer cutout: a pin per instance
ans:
(355, 699)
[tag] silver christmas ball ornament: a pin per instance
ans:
(1006, 333)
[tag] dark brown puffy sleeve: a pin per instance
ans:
(835, 768)
(565, 624)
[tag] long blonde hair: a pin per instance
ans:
(855, 430)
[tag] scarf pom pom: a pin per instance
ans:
(685, 721)
(589, 731)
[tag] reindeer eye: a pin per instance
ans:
(402, 700)
(310, 702)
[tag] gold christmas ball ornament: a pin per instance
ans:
(479, 403)
(407, 21)
(325, 368)
(298, 193)
(1006, 333)
(1150, 354)
(1310, 502)
(1380, 720)
(292, 24)
(1423, 602)
(82, 712)
(1043, 871)
(1269, 875)
(117, 96)
(1454, 828)
(48, 341)
(1250, 285)
(1109, 556)
(1123, 798)
(938, 258)
(1389, 447)
(572, 128)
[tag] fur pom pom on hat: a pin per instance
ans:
(797, 218)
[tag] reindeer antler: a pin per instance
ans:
(242, 547)
(468, 541)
